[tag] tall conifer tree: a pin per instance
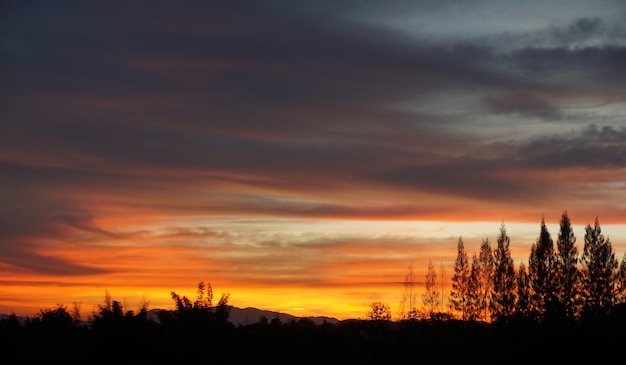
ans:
(598, 272)
(621, 282)
(485, 260)
(523, 300)
(504, 280)
(408, 304)
(541, 272)
(460, 280)
(431, 295)
(473, 306)
(567, 274)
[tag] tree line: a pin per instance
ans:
(199, 331)
(558, 285)
(114, 332)
(561, 297)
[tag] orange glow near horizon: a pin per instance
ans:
(304, 267)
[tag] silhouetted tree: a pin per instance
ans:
(523, 297)
(222, 309)
(10, 335)
(541, 271)
(204, 299)
(442, 282)
(144, 304)
(51, 334)
(408, 304)
(108, 301)
(473, 305)
(598, 272)
(378, 311)
(54, 321)
(201, 311)
(566, 271)
(110, 321)
(504, 279)
(76, 315)
(431, 296)
(460, 280)
(484, 278)
(620, 282)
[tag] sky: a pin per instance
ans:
(299, 155)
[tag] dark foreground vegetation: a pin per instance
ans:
(197, 331)
(565, 308)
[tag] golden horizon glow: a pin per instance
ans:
(314, 267)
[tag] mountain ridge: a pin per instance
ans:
(238, 316)
(250, 315)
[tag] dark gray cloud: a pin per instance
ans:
(466, 177)
(165, 85)
(26, 222)
(521, 103)
(590, 65)
(594, 147)
(143, 102)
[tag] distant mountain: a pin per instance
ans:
(246, 316)
(249, 315)
(238, 316)
(20, 319)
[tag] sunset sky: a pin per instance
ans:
(298, 155)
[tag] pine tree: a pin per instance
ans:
(541, 272)
(409, 301)
(598, 272)
(473, 306)
(504, 280)
(442, 282)
(431, 295)
(567, 274)
(523, 303)
(620, 282)
(460, 280)
(485, 260)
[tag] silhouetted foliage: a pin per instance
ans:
(54, 321)
(566, 271)
(10, 335)
(200, 331)
(523, 299)
(408, 309)
(620, 282)
(598, 272)
(542, 274)
(430, 297)
(378, 311)
(460, 280)
(480, 282)
(504, 280)
(485, 277)
(122, 330)
(193, 323)
(473, 305)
